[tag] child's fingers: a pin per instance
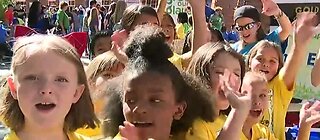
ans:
(315, 106)
(316, 30)
(122, 131)
(306, 106)
(314, 119)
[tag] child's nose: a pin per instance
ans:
(265, 65)
(140, 108)
(45, 87)
(256, 103)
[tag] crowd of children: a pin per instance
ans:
(136, 87)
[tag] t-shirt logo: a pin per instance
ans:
(267, 119)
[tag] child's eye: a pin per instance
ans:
(259, 59)
(219, 72)
(131, 101)
(263, 95)
(155, 100)
(31, 77)
(273, 62)
(62, 79)
(237, 74)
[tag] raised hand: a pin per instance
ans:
(128, 131)
(121, 56)
(270, 8)
(305, 27)
(310, 113)
(236, 99)
(195, 3)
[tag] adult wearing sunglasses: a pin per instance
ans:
(248, 23)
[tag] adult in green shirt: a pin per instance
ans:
(62, 18)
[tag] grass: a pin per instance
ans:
(305, 92)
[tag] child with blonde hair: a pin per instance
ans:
(255, 86)
(49, 97)
(102, 68)
(266, 57)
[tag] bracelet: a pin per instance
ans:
(279, 16)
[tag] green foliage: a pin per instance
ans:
(3, 6)
(304, 92)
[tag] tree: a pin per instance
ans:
(3, 6)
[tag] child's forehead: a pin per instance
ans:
(255, 83)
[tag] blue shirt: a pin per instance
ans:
(273, 36)
(3, 34)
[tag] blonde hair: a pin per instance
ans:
(80, 114)
(93, 16)
(254, 76)
(99, 64)
(265, 44)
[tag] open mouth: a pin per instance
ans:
(45, 106)
(264, 71)
(167, 37)
(255, 112)
(142, 124)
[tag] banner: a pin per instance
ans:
(304, 88)
(291, 9)
(174, 7)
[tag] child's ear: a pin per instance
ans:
(12, 87)
(78, 93)
(181, 107)
(259, 24)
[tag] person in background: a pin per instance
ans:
(100, 43)
(108, 21)
(37, 19)
(182, 28)
(21, 13)
(248, 23)
(8, 15)
(62, 21)
(102, 11)
(92, 4)
(81, 17)
(118, 14)
(17, 20)
(76, 20)
(93, 21)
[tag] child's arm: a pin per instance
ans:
(161, 9)
(309, 115)
(201, 34)
(315, 73)
(304, 29)
(270, 8)
(240, 103)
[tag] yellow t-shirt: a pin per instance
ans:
(176, 60)
(202, 130)
(260, 132)
(71, 136)
(89, 132)
(180, 31)
(280, 99)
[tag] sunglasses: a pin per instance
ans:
(245, 27)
